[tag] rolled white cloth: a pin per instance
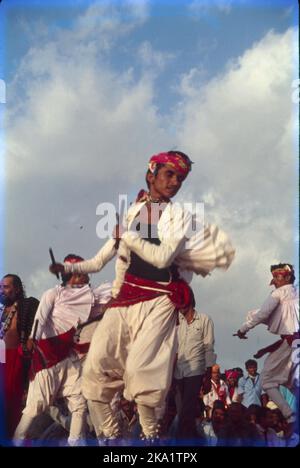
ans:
(207, 249)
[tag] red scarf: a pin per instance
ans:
(50, 351)
(132, 292)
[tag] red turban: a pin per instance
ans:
(72, 258)
(231, 374)
(176, 160)
(285, 271)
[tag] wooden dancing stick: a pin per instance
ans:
(117, 231)
(36, 322)
(53, 261)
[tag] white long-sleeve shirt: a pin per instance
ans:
(63, 307)
(195, 346)
(280, 312)
(199, 252)
(184, 240)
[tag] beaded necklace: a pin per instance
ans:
(6, 321)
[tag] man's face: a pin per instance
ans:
(166, 183)
(9, 292)
(218, 416)
(232, 382)
(252, 370)
(280, 280)
(188, 312)
(215, 376)
(275, 420)
(79, 278)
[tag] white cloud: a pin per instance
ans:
(109, 20)
(240, 124)
(191, 83)
(199, 8)
(74, 104)
(238, 129)
(153, 60)
(77, 133)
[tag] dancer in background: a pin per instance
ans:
(56, 361)
(280, 312)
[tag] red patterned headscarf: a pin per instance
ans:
(72, 258)
(282, 269)
(173, 159)
(231, 374)
(285, 271)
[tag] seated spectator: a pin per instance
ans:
(237, 432)
(213, 428)
(277, 424)
(252, 414)
(267, 436)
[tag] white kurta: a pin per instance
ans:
(193, 251)
(280, 312)
(60, 309)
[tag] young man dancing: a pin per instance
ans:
(280, 312)
(56, 360)
(133, 348)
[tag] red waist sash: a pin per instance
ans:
(274, 346)
(133, 291)
(50, 351)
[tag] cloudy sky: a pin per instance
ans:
(94, 88)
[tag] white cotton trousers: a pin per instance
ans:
(60, 381)
(133, 349)
(280, 368)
